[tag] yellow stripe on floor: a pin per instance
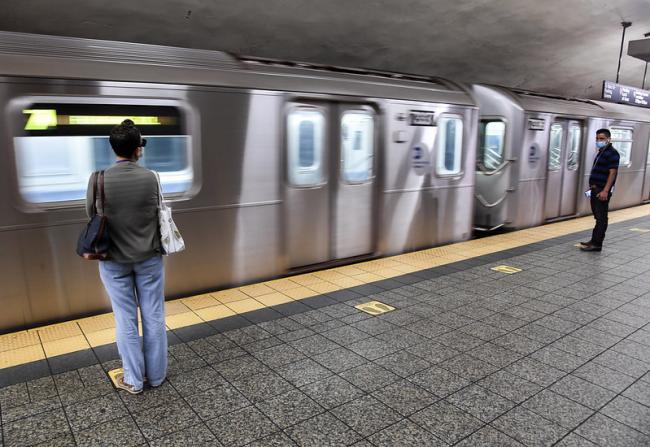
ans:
(76, 335)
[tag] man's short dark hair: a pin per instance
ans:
(604, 132)
(125, 139)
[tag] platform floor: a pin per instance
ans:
(555, 354)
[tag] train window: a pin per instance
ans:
(305, 137)
(61, 144)
(357, 146)
(555, 148)
(575, 134)
(450, 145)
(492, 138)
(622, 142)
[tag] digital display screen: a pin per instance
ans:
(624, 94)
(98, 119)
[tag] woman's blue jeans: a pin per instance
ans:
(129, 285)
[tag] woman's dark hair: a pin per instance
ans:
(605, 132)
(125, 139)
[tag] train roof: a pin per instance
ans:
(564, 105)
(544, 102)
(35, 55)
(626, 112)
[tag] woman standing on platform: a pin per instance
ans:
(133, 274)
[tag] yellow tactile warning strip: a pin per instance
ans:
(76, 335)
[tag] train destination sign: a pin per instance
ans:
(42, 119)
(625, 94)
(97, 119)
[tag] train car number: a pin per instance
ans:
(421, 118)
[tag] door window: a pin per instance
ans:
(492, 138)
(575, 134)
(305, 138)
(357, 146)
(555, 148)
(622, 142)
(450, 145)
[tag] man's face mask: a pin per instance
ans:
(601, 144)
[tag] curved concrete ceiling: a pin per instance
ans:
(559, 46)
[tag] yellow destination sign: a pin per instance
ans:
(44, 119)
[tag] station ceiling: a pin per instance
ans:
(566, 47)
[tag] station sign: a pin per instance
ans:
(536, 124)
(624, 94)
(421, 118)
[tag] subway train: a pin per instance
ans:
(275, 167)
(535, 154)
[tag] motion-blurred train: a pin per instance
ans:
(276, 167)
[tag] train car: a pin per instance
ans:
(535, 154)
(271, 167)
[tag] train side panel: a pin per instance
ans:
(426, 196)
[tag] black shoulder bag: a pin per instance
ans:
(93, 241)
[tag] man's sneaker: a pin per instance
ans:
(585, 244)
(590, 248)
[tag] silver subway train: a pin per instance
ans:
(274, 167)
(535, 154)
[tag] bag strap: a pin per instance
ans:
(160, 193)
(95, 180)
(102, 195)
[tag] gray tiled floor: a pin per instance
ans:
(558, 354)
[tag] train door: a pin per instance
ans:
(562, 176)
(330, 152)
(646, 185)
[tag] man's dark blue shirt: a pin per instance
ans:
(606, 159)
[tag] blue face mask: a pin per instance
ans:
(601, 144)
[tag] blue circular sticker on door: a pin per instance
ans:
(533, 153)
(420, 158)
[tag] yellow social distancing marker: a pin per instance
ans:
(506, 269)
(114, 374)
(374, 308)
(640, 230)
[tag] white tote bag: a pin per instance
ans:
(170, 238)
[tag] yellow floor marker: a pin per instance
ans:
(114, 374)
(374, 308)
(506, 269)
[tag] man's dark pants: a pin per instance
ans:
(599, 208)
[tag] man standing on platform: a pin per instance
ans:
(601, 185)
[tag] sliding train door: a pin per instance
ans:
(646, 179)
(562, 176)
(330, 159)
